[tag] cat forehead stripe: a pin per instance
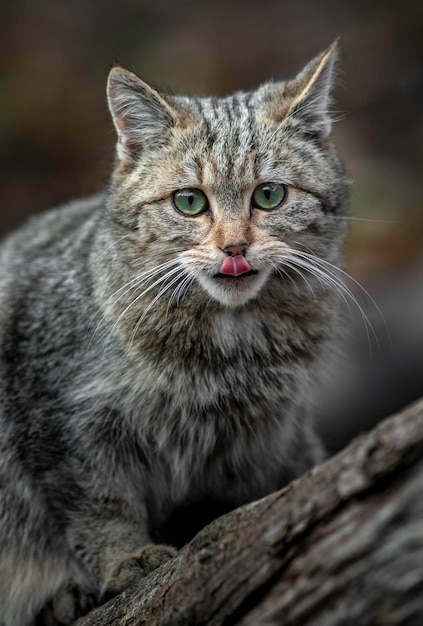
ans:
(230, 122)
(230, 107)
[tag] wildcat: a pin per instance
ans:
(160, 343)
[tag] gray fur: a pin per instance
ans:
(127, 397)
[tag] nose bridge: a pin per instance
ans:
(233, 234)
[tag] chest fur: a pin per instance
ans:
(209, 400)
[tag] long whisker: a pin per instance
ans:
(142, 260)
(162, 290)
(311, 263)
(284, 274)
(139, 278)
(179, 291)
(328, 279)
(326, 275)
(140, 295)
(127, 287)
(298, 271)
(351, 218)
(113, 244)
(326, 264)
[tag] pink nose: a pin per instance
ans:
(237, 248)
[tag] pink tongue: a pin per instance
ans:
(235, 265)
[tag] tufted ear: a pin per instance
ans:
(306, 99)
(142, 117)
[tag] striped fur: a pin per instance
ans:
(142, 393)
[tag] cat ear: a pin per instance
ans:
(306, 99)
(141, 116)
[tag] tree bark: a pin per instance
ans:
(343, 545)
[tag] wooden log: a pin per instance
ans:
(343, 545)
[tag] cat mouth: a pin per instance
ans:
(232, 277)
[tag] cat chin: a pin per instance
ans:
(234, 292)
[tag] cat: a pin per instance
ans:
(160, 343)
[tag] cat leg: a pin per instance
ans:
(74, 600)
(125, 571)
(67, 605)
(115, 550)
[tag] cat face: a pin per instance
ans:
(223, 191)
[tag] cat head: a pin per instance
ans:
(222, 190)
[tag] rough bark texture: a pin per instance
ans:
(341, 546)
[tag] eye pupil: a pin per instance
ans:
(190, 202)
(268, 196)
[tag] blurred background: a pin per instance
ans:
(57, 139)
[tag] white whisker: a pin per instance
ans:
(179, 292)
(135, 282)
(161, 291)
(113, 244)
(328, 279)
(324, 271)
(168, 274)
(284, 275)
(296, 269)
(326, 264)
(350, 218)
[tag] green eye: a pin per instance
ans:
(190, 202)
(268, 196)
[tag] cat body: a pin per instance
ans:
(159, 347)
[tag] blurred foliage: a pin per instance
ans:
(57, 140)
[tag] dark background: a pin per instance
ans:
(56, 138)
